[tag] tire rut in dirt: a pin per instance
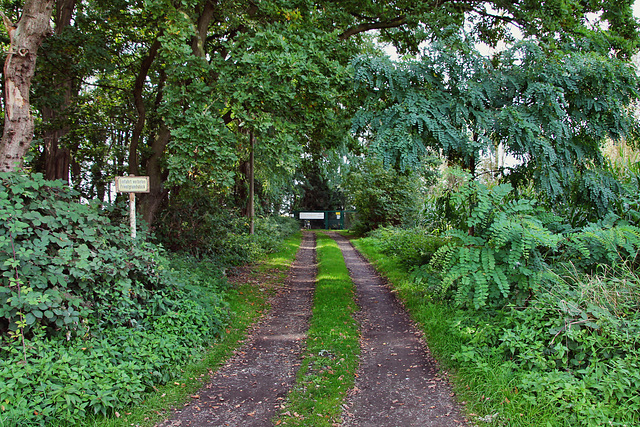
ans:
(250, 388)
(398, 383)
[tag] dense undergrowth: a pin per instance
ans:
(540, 319)
(91, 319)
(247, 303)
(195, 223)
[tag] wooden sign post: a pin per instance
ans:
(132, 185)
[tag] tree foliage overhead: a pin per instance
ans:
(189, 91)
(406, 23)
(173, 89)
(550, 109)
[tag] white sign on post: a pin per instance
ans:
(311, 215)
(132, 185)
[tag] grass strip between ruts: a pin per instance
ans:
(328, 369)
(247, 303)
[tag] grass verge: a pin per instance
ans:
(247, 303)
(331, 358)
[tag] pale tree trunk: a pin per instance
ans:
(26, 37)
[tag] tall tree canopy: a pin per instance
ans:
(173, 89)
(551, 109)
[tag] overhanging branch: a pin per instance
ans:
(392, 23)
(506, 19)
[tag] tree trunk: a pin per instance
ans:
(252, 189)
(202, 26)
(138, 97)
(151, 202)
(57, 159)
(241, 194)
(19, 68)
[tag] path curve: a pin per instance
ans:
(250, 388)
(398, 382)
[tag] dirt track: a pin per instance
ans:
(397, 383)
(250, 388)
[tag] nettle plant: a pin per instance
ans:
(66, 267)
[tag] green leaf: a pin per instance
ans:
(30, 319)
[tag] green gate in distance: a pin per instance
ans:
(328, 220)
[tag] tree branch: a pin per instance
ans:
(392, 23)
(486, 14)
(207, 15)
(10, 26)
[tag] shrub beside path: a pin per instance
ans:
(397, 384)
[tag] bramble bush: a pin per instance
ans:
(66, 266)
(89, 317)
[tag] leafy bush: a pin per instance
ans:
(197, 224)
(629, 202)
(442, 211)
(69, 379)
(383, 197)
(624, 164)
(608, 242)
(500, 255)
(414, 247)
(575, 347)
(271, 231)
(66, 265)
(89, 318)
(506, 250)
